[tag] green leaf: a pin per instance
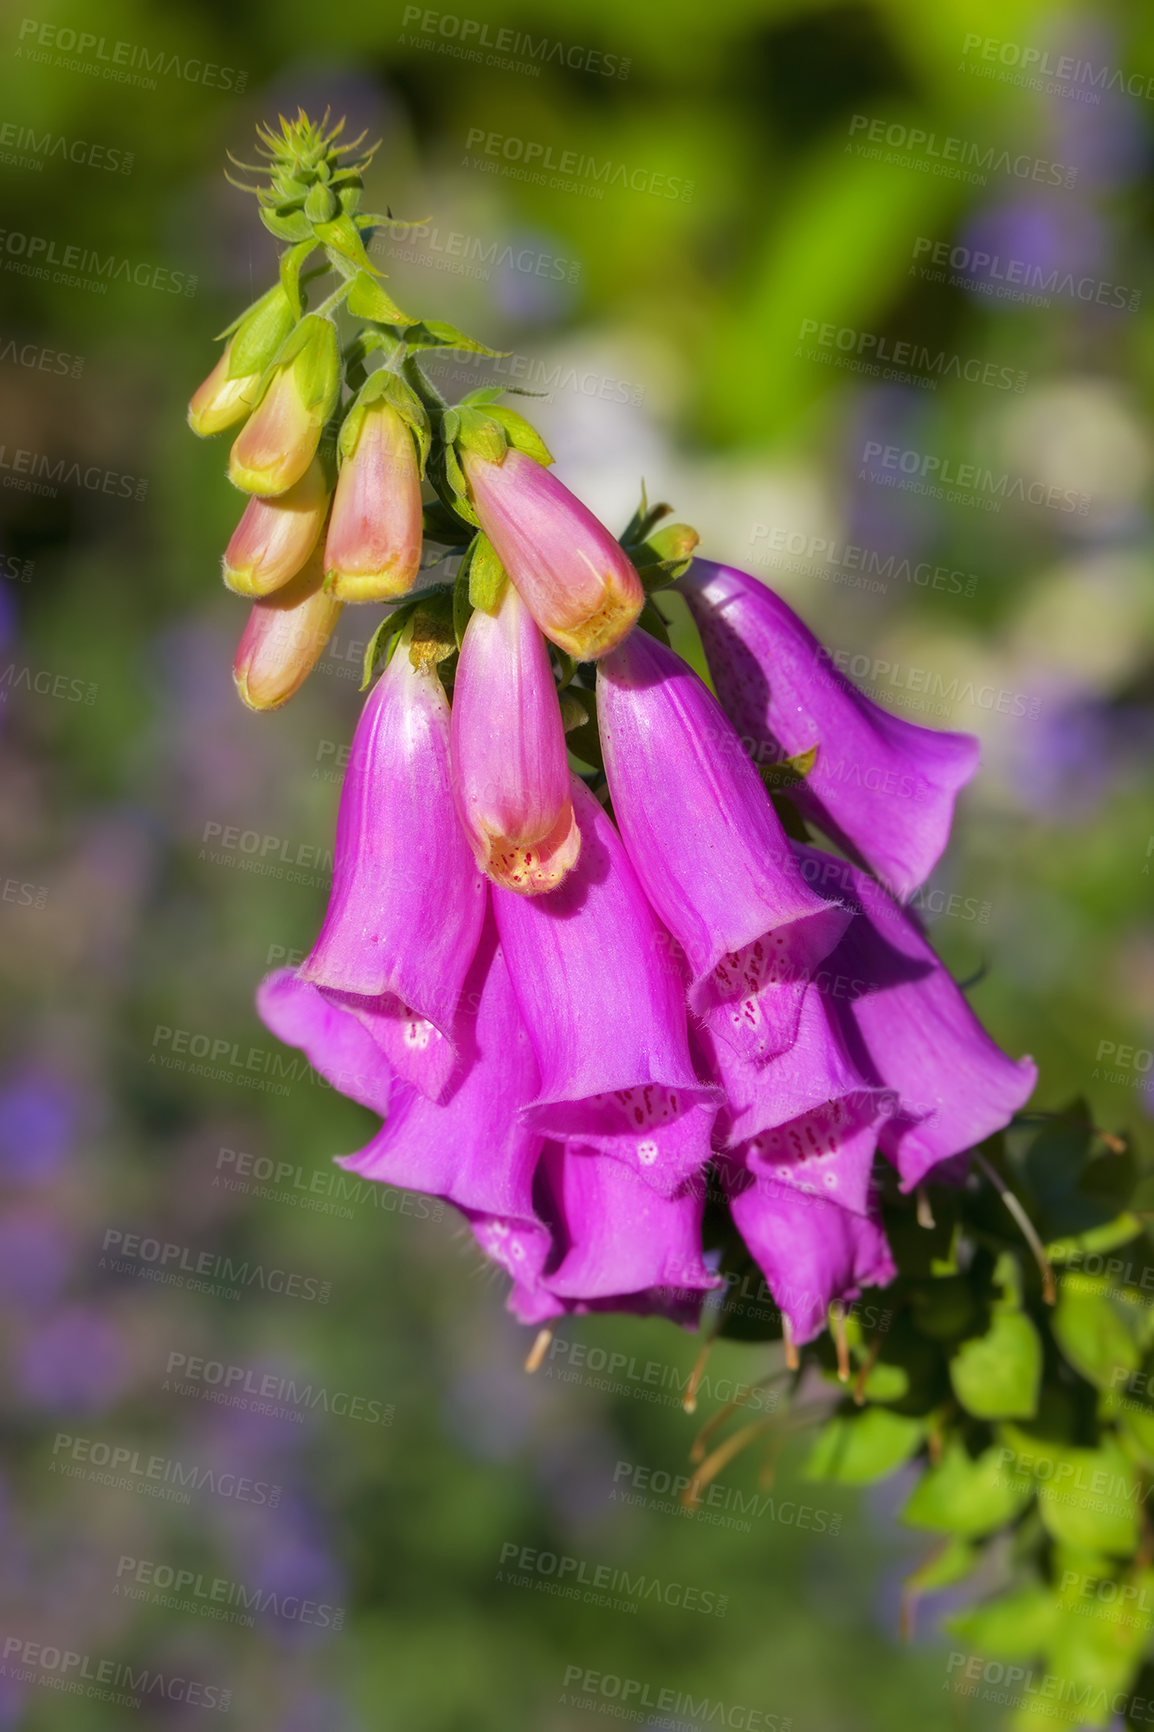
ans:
(1013, 1626)
(996, 1375)
(1119, 1231)
(1091, 1329)
(967, 1497)
(368, 300)
(946, 1564)
(1089, 1498)
(856, 1449)
(436, 334)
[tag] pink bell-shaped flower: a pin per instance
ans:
(510, 765)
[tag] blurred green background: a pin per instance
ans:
(864, 291)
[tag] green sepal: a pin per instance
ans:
(444, 526)
(790, 771)
(382, 645)
(259, 334)
(321, 204)
(520, 434)
(311, 350)
(574, 713)
(368, 300)
(290, 226)
(462, 605)
(856, 1449)
(384, 386)
(652, 620)
(487, 576)
(665, 556)
(644, 520)
(997, 1375)
(433, 637)
(341, 239)
(291, 263)
(965, 1496)
(477, 430)
(436, 334)
(456, 485)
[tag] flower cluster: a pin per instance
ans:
(567, 1042)
(581, 954)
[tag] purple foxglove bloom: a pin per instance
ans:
(510, 764)
(336, 1044)
(881, 788)
(910, 1029)
(605, 1008)
(407, 902)
(606, 1241)
(473, 1149)
(580, 587)
(615, 1235)
(810, 1250)
(708, 847)
(808, 1118)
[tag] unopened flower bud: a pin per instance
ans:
(373, 547)
(510, 766)
(232, 388)
(284, 639)
(280, 438)
(581, 588)
(221, 402)
(275, 536)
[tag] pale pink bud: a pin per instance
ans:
(221, 402)
(275, 536)
(580, 587)
(510, 766)
(279, 440)
(283, 640)
(373, 548)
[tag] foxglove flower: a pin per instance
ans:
(275, 536)
(910, 1030)
(474, 1148)
(810, 1118)
(407, 903)
(337, 1045)
(580, 587)
(880, 787)
(811, 1251)
(611, 1242)
(704, 839)
(510, 765)
(604, 1005)
(373, 548)
(279, 440)
(284, 639)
